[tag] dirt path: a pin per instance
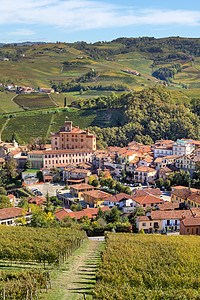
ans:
(4, 126)
(77, 279)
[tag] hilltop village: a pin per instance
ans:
(141, 181)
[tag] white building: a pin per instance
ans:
(181, 147)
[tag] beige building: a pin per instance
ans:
(59, 158)
(72, 138)
(145, 174)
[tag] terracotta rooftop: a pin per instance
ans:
(84, 150)
(168, 206)
(143, 218)
(82, 186)
(118, 197)
(144, 169)
(183, 194)
(172, 214)
(97, 194)
(143, 192)
(12, 212)
(191, 221)
(148, 199)
(89, 212)
(195, 197)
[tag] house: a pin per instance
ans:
(77, 190)
(180, 196)
(158, 221)
(95, 197)
(9, 215)
(46, 90)
(193, 200)
(37, 200)
(114, 200)
(164, 173)
(190, 226)
(167, 205)
(88, 212)
(143, 192)
(146, 201)
(145, 174)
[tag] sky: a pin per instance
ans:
(96, 20)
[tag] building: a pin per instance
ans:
(95, 197)
(159, 221)
(59, 158)
(164, 173)
(190, 225)
(72, 138)
(146, 201)
(145, 174)
(183, 147)
(88, 212)
(114, 200)
(77, 190)
(9, 216)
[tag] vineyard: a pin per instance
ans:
(32, 249)
(23, 284)
(149, 267)
(31, 101)
(52, 246)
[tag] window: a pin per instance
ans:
(143, 224)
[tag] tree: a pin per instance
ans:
(160, 182)
(3, 191)
(28, 164)
(4, 202)
(113, 216)
(139, 211)
(95, 182)
(10, 167)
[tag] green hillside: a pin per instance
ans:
(81, 72)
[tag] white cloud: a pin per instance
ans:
(22, 32)
(85, 14)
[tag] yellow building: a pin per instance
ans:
(180, 196)
(194, 200)
(70, 137)
(95, 197)
(77, 190)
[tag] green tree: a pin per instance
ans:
(139, 211)
(3, 191)
(4, 202)
(28, 164)
(113, 216)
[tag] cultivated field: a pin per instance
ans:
(31, 101)
(149, 267)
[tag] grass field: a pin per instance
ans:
(6, 103)
(33, 101)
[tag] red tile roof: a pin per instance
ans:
(12, 212)
(89, 212)
(167, 215)
(82, 186)
(118, 197)
(148, 199)
(96, 194)
(191, 221)
(145, 169)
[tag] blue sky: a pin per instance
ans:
(96, 20)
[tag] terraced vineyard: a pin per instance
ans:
(149, 267)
